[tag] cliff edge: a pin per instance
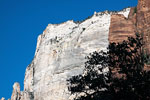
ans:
(62, 48)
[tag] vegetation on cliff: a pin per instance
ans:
(117, 74)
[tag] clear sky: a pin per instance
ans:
(21, 21)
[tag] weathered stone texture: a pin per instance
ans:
(62, 48)
(60, 54)
(143, 22)
(16, 94)
(137, 22)
(120, 28)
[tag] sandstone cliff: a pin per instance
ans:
(143, 22)
(60, 54)
(138, 21)
(62, 48)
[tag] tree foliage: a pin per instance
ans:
(115, 74)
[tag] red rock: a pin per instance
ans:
(120, 28)
(138, 21)
(143, 22)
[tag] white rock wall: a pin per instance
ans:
(61, 52)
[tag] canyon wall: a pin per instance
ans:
(60, 54)
(138, 21)
(122, 27)
(62, 48)
(143, 22)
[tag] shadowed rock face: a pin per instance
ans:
(143, 22)
(62, 48)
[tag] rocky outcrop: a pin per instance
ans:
(27, 94)
(138, 21)
(2, 98)
(143, 22)
(62, 48)
(61, 52)
(21, 95)
(16, 94)
(121, 27)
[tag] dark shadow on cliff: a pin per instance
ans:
(117, 74)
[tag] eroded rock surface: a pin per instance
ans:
(138, 21)
(143, 22)
(121, 28)
(61, 52)
(16, 94)
(62, 48)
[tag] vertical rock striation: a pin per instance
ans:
(61, 52)
(143, 22)
(16, 94)
(138, 21)
(121, 27)
(62, 48)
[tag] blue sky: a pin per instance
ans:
(21, 21)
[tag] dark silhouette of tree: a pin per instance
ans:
(115, 74)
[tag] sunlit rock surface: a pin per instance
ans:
(62, 48)
(16, 94)
(122, 27)
(61, 52)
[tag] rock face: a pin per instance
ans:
(61, 52)
(122, 27)
(138, 21)
(62, 48)
(143, 22)
(16, 94)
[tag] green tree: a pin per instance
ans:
(125, 78)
